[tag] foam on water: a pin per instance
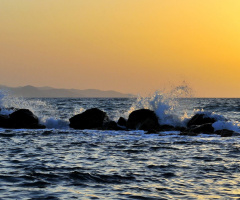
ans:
(221, 121)
(52, 122)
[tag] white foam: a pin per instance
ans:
(38, 107)
(208, 114)
(234, 126)
(52, 122)
(7, 100)
(165, 106)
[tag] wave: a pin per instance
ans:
(164, 104)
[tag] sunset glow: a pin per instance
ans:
(131, 46)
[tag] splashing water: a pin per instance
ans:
(38, 107)
(164, 105)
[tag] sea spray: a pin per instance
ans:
(46, 113)
(38, 107)
(221, 121)
(165, 105)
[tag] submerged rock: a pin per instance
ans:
(90, 119)
(200, 119)
(143, 119)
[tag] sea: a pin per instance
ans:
(62, 163)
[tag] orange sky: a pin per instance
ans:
(135, 46)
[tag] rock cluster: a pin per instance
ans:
(94, 118)
(144, 119)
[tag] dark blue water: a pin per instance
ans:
(61, 163)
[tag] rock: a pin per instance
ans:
(200, 119)
(4, 121)
(189, 133)
(166, 128)
(180, 128)
(122, 122)
(90, 119)
(152, 131)
(205, 129)
(143, 119)
(112, 125)
(224, 133)
(24, 118)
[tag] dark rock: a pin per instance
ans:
(171, 128)
(189, 133)
(152, 131)
(205, 128)
(200, 119)
(166, 128)
(24, 118)
(112, 125)
(180, 128)
(224, 133)
(143, 119)
(90, 119)
(4, 121)
(122, 122)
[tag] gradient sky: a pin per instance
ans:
(133, 46)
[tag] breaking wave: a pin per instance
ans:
(168, 106)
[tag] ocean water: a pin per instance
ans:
(62, 163)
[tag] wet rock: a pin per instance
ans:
(205, 128)
(112, 125)
(122, 122)
(152, 131)
(24, 118)
(200, 119)
(143, 119)
(166, 128)
(90, 119)
(180, 128)
(4, 121)
(224, 133)
(189, 133)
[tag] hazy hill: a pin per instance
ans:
(31, 91)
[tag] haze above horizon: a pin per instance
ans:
(136, 46)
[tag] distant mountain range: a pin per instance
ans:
(49, 92)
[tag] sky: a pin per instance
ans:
(131, 46)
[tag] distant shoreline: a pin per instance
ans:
(49, 92)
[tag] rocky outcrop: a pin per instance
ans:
(199, 123)
(204, 128)
(112, 125)
(90, 119)
(224, 133)
(188, 133)
(22, 118)
(143, 119)
(4, 121)
(200, 119)
(122, 122)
